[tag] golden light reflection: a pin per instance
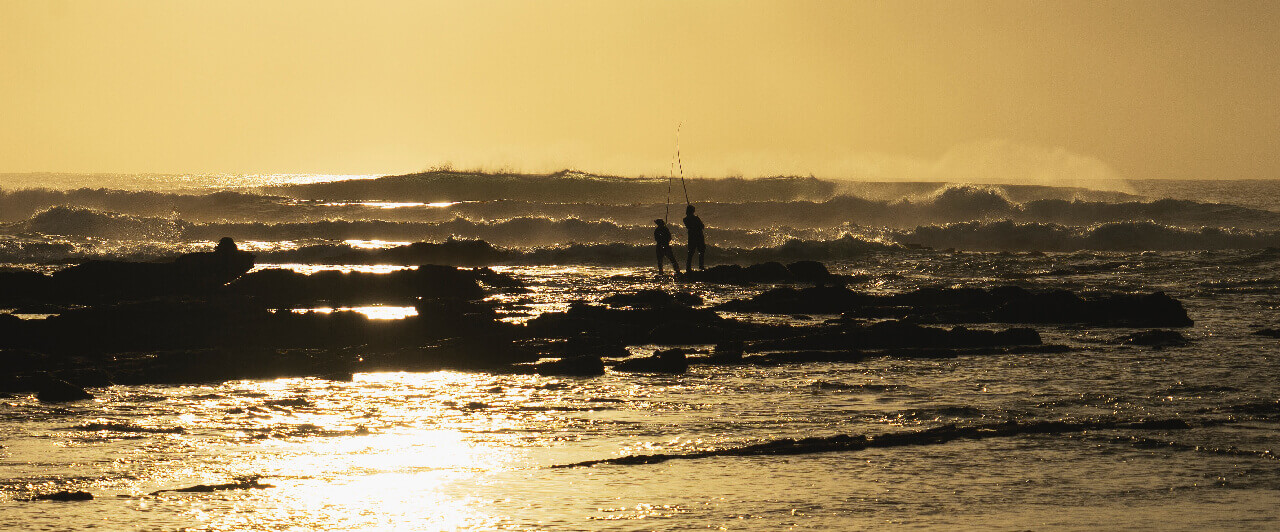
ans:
(389, 204)
(374, 244)
(415, 471)
(263, 245)
(309, 269)
(373, 312)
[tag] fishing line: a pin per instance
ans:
(682, 185)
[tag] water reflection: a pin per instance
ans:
(386, 451)
(373, 312)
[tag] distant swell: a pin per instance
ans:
(725, 204)
(571, 218)
(1006, 235)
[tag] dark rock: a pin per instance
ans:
(338, 376)
(192, 273)
(1274, 333)
(653, 299)
(724, 352)
(241, 484)
(1017, 336)
(1154, 338)
(629, 325)
(972, 305)
(668, 361)
(1118, 310)
(170, 324)
(65, 496)
(721, 274)
(897, 334)
(729, 349)
(680, 332)
(806, 271)
(502, 281)
(768, 272)
(788, 300)
(19, 287)
(810, 271)
(285, 288)
(51, 390)
(579, 366)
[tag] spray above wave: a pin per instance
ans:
(566, 186)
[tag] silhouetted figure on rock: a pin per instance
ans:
(191, 273)
(662, 238)
(223, 265)
(697, 241)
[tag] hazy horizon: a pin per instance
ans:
(979, 92)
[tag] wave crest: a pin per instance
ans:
(1007, 235)
(75, 221)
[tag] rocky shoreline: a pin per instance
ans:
(204, 318)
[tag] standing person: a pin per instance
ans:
(662, 237)
(697, 241)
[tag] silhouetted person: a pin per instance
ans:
(226, 245)
(662, 237)
(225, 263)
(697, 241)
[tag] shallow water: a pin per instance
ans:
(452, 450)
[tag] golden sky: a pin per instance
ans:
(978, 90)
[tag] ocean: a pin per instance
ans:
(1106, 430)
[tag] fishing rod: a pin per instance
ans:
(670, 176)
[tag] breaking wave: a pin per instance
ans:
(1006, 235)
(73, 221)
(573, 217)
(804, 203)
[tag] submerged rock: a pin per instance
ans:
(725, 352)
(974, 305)
(1274, 333)
(898, 334)
(1154, 338)
(653, 299)
(52, 390)
(804, 271)
(666, 361)
(64, 496)
(241, 484)
(578, 366)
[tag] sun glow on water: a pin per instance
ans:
(391, 204)
(309, 269)
(373, 312)
(375, 244)
(410, 472)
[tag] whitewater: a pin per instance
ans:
(1107, 430)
